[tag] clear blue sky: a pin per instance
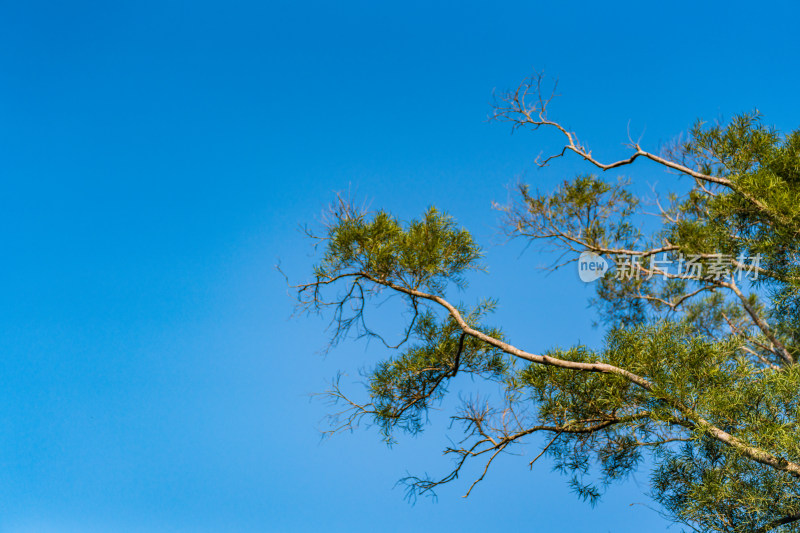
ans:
(156, 159)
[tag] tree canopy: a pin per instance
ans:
(697, 378)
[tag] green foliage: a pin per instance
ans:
(403, 388)
(427, 253)
(597, 211)
(696, 374)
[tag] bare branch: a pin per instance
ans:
(516, 108)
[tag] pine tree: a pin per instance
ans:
(698, 372)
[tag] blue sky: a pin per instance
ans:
(156, 160)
